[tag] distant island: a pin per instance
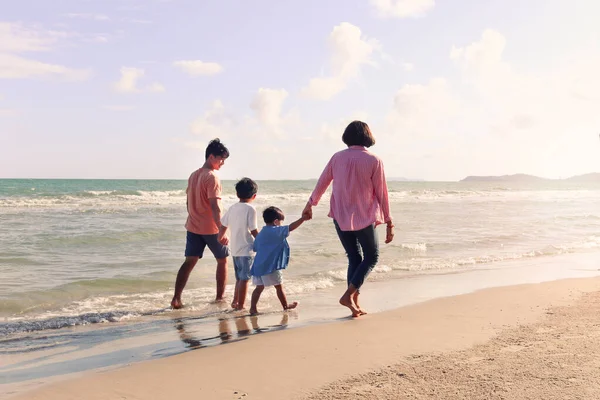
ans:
(402, 179)
(592, 177)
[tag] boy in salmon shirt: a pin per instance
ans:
(204, 220)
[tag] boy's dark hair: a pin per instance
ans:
(357, 133)
(271, 214)
(246, 188)
(217, 149)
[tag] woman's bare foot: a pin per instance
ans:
(347, 302)
(355, 299)
(176, 303)
(291, 306)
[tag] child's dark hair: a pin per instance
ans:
(217, 149)
(357, 133)
(271, 214)
(246, 188)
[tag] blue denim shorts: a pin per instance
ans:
(195, 245)
(242, 265)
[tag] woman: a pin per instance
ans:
(359, 202)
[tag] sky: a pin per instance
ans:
(136, 88)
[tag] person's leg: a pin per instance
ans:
(352, 248)
(245, 264)
(283, 299)
(221, 253)
(221, 278)
(255, 297)
(234, 302)
(242, 292)
(194, 249)
(182, 278)
(353, 252)
(369, 243)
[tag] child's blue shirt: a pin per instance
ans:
(272, 250)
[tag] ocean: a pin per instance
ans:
(92, 254)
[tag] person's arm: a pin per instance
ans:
(215, 208)
(381, 193)
(294, 225)
(253, 222)
(322, 185)
(224, 240)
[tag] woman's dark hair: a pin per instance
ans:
(357, 133)
(271, 214)
(246, 188)
(217, 149)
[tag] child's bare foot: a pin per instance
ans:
(346, 301)
(234, 305)
(291, 306)
(239, 308)
(176, 303)
(253, 311)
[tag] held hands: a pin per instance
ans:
(223, 239)
(307, 212)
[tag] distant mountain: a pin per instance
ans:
(592, 177)
(504, 178)
(402, 179)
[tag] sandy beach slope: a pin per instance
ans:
(527, 341)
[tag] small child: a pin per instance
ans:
(272, 255)
(241, 220)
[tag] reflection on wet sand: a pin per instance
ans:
(245, 325)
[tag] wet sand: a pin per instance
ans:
(476, 338)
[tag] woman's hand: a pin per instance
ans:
(307, 212)
(389, 232)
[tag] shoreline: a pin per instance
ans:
(318, 355)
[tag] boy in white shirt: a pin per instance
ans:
(241, 220)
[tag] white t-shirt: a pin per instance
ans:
(240, 219)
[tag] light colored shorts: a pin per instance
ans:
(272, 279)
(242, 265)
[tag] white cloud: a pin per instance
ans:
(15, 67)
(402, 8)
(267, 105)
(129, 82)
(423, 111)
(8, 112)
(332, 132)
(118, 107)
(507, 120)
(16, 38)
(88, 16)
(350, 51)
(197, 67)
(138, 21)
(408, 67)
(213, 123)
(155, 87)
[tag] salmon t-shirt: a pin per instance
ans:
(203, 185)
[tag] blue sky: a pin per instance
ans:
(136, 88)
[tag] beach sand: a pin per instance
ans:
(528, 341)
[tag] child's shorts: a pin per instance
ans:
(242, 265)
(272, 279)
